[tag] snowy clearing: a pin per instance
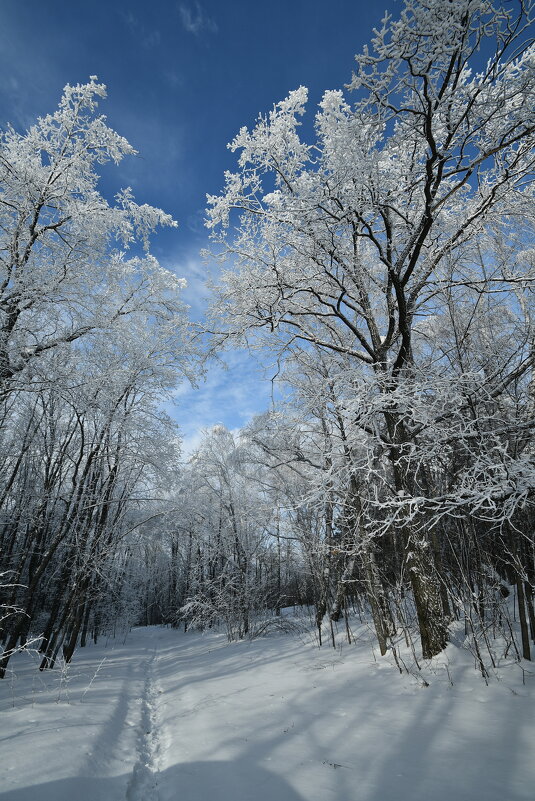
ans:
(166, 716)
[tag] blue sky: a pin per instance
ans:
(182, 77)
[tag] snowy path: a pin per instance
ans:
(143, 784)
(169, 717)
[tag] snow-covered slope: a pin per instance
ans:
(173, 717)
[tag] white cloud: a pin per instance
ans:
(228, 396)
(195, 20)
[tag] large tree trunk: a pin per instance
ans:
(425, 587)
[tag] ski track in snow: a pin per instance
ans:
(143, 784)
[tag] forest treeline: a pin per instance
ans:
(385, 265)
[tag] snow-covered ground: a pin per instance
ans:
(171, 717)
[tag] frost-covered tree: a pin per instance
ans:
(91, 342)
(64, 274)
(229, 528)
(348, 242)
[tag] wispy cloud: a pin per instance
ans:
(30, 84)
(195, 20)
(148, 38)
(197, 271)
(234, 389)
(228, 396)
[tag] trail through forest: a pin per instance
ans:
(166, 716)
